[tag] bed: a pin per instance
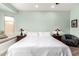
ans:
(39, 44)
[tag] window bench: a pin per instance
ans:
(6, 43)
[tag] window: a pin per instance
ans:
(9, 24)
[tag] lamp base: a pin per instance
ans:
(57, 33)
(21, 34)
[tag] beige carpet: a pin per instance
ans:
(75, 51)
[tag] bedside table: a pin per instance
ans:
(20, 37)
(57, 37)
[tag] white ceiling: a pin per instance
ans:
(44, 6)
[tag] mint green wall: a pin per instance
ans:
(43, 21)
(1, 22)
(74, 15)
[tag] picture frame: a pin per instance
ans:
(74, 23)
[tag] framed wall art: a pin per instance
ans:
(74, 23)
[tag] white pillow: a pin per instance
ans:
(53, 32)
(28, 34)
(34, 33)
(31, 33)
(41, 34)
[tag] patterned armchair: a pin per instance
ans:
(70, 40)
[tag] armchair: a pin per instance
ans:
(70, 40)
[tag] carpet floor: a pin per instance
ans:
(75, 51)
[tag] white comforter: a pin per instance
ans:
(40, 45)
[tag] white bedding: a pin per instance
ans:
(39, 44)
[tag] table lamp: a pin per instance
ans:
(21, 32)
(57, 30)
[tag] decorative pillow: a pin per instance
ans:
(2, 35)
(1, 32)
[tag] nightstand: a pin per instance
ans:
(19, 37)
(57, 36)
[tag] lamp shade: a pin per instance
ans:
(57, 29)
(21, 29)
